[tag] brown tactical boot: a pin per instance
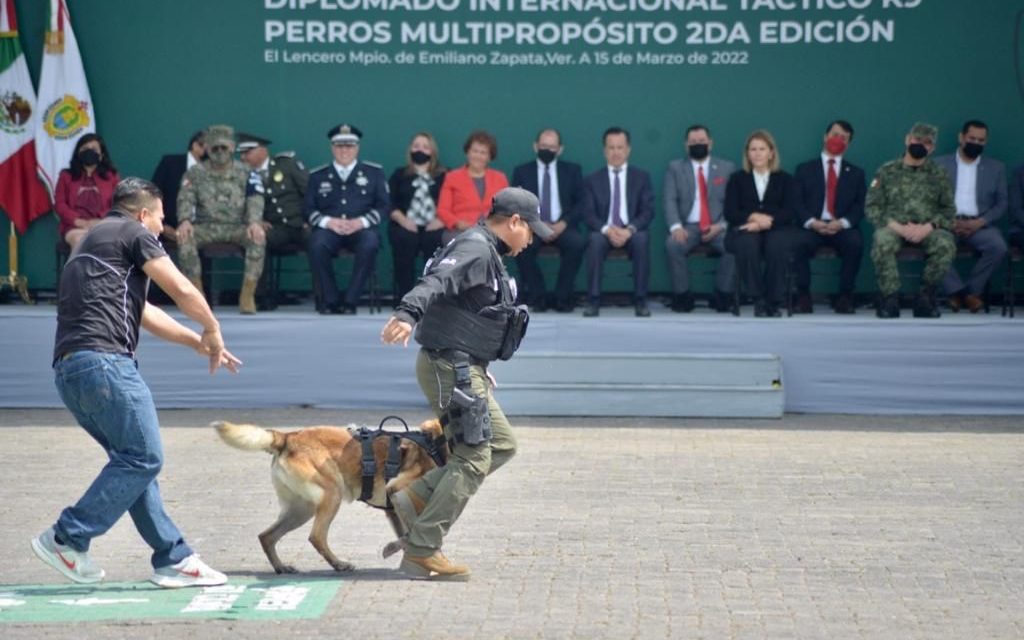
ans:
(247, 297)
(435, 567)
(408, 506)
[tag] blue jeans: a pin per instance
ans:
(109, 399)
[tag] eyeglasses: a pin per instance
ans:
(220, 147)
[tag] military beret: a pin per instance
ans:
(344, 134)
(924, 130)
(247, 141)
(219, 133)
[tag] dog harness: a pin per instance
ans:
(393, 462)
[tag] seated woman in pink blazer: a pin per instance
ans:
(467, 191)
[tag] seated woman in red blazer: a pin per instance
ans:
(85, 190)
(467, 191)
(760, 207)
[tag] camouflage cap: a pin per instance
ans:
(219, 133)
(925, 131)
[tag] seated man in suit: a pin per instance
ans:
(832, 192)
(343, 205)
(694, 194)
(558, 184)
(618, 206)
(979, 189)
(168, 175)
(1016, 231)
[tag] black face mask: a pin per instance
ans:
(89, 157)
(917, 151)
(697, 151)
(972, 150)
(547, 156)
(420, 157)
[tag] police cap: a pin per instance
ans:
(247, 142)
(344, 134)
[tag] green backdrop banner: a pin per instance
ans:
(291, 69)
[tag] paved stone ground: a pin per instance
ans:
(808, 527)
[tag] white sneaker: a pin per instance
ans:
(73, 564)
(190, 572)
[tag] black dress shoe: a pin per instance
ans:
(564, 307)
(803, 304)
(765, 310)
(347, 310)
(721, 301)
(642, 310)
(330, 310)
(682, 302)
(591, 311)
(844, 304)
(266, 304)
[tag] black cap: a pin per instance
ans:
(344, 134)
(513, 200)
(247, 142)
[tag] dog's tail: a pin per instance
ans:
(249, 437)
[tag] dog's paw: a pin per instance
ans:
(287, 568)
(392, 548)
(341, 565)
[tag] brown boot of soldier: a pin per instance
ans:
(247, 297)
(435, 567)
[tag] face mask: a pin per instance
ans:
(220, 158)
(972, 150)
(698, 151)
(420, 157)
(835, 145)
(917, 151)
(547, 156)
(89, 157)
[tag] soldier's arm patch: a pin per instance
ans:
(255, 185)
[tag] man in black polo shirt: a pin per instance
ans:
(101, 305)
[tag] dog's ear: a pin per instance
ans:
(432, 427)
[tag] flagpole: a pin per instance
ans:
(12, 279)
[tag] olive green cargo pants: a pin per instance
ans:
(447, 489)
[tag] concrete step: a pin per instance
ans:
(641, 384)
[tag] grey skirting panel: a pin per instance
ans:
(641, 384)
(959, 364)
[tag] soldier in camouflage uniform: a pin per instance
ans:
(284, 180)
(220, 201)
(910, 201)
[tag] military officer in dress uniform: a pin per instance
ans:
(343, 206)
(284, 181)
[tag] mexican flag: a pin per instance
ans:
(22, 196)
(65, 107)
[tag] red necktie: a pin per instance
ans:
(830, 188)
(705, 212)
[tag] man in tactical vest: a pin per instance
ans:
(465, 316)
